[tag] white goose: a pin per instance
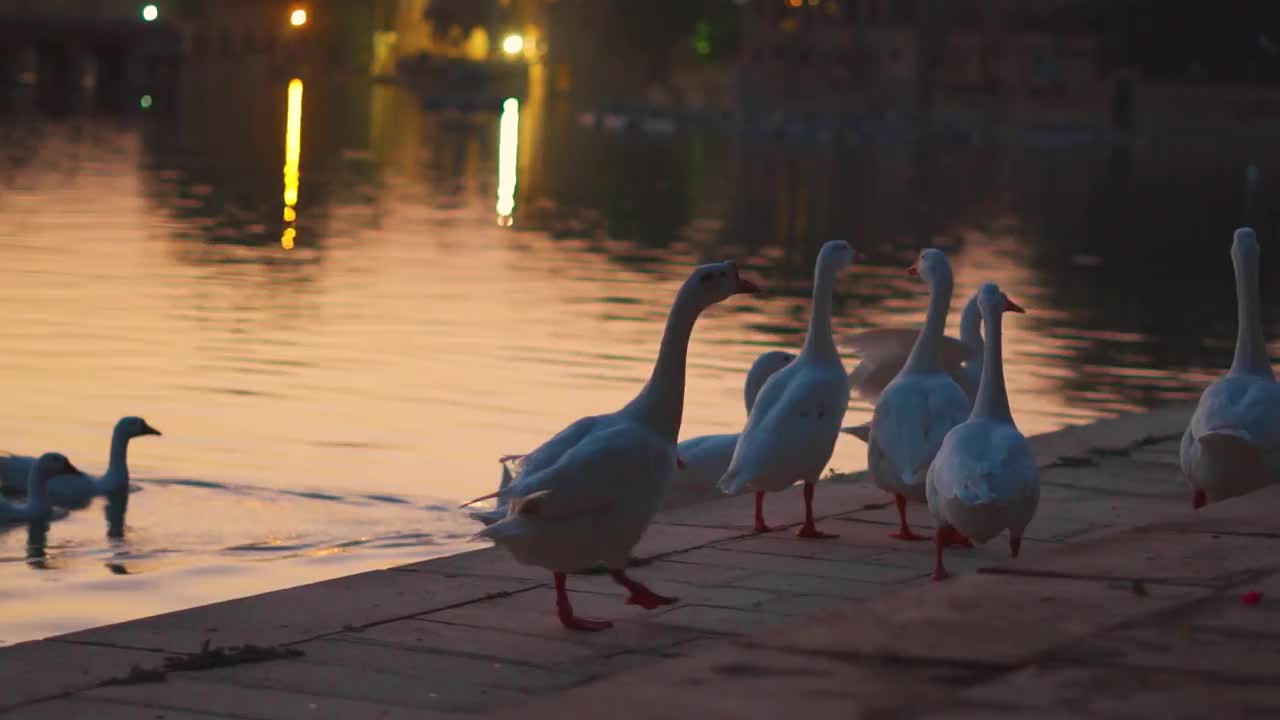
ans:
(984, 478)
(884, 352)
(707, 457)
(76, 489)
(587, 494)
(37, 505)
(1232, 444)
(920, 406)
(702, 460)
(793, 427)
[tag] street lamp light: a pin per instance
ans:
(512, 44)
(150, 13)
(298, 17)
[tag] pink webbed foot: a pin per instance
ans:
(650, 600)
(955, 538)
(904, 530)
(760, 526)
(641, 595)
(1199, 500)
(940, 541)
(565, 611)
(573, 622)
(809, 530)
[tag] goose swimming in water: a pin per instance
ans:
(76, 489)
(37, 506)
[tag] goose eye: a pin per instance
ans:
(706, 278)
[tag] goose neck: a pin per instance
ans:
(993, 397)
(660, 403)
(1251, 348)
(925, 354)
(818, 342)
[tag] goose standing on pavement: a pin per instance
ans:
(919, 406)
(1232, 444)
(984, 479)
(792, 429)
(588, 494)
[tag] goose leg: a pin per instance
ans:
(904, 531)
(760, 526)
(1199, 500)
(640, 595)
(939, 542)
(1015, 544)
(955, 538)
(809, 530)
(567, 618)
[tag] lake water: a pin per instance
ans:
(326, 407)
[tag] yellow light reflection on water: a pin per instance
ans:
(292, 155)
(508, 146)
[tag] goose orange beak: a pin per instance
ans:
(914, 269)
(745, 286)
(1011, 306)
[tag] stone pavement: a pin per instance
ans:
(476, 632)
(1176, 619)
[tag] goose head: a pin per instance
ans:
(48, 465)
(713, 283)
(836, 255)
(1244, 248)
(761, 370)
(932, 265)
(132, 427)
(993, 301)
(971, 324)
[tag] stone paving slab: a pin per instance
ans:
(1117, 692)
(1122, 476)
(1015, 645)
(279, 617)
(34, 670)
(1165, 424)
(475, 631)
(1156, 555)
(363, 685)
(98, 710)
(1011, 618)
(184, 695)
(782, 510)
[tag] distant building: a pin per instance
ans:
(902, 53)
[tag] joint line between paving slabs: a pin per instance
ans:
(164, 707)
(1032, 573)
